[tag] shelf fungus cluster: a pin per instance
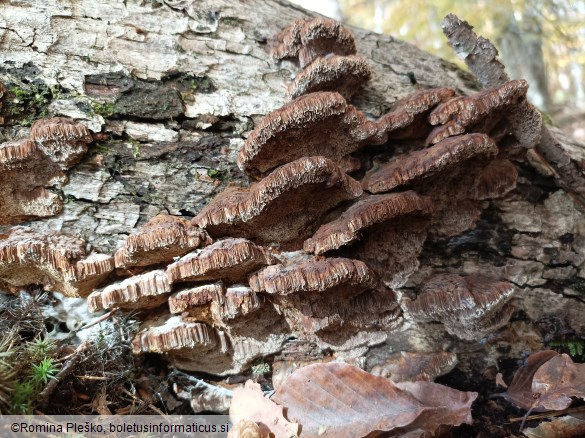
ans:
(31, 167)
(334, 222)
(314, 248)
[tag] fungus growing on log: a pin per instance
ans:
(144, 291)
(450, 153)
(337, 294)
(366, 213)
(192, 346)
(160, 240)
(322, 123)
(58, 262)
(307, 39)
(32, 165)
(63, 140)
(284, 206)
(343, 74)
(215, 303)
(344, 276)
(470, 307)
(478, 112)
(314, 124)
(230, 259)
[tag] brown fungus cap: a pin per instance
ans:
(363, 214)
(283, 207)
(314, 124)
(190, 345)
(215, 304)
(32, 165)
(470, 307)
(339, 275)
(143, 291)
(478, 112)
(344, 74)
(160, 240)
(63, 140)
(448, 154)
(311, 38)
(58, 262)
(407, 120)
(230, 260)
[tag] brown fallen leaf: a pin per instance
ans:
(340, 400)
(447, 406)
(520, 390)
(245, 429)
(563, 427)
(249, 403)
(557, 381)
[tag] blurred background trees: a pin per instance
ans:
(542, 41)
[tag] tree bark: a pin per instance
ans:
(177, 85)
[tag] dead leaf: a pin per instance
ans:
(245, 429)
(446, 406)
(563, 427)
(249, 403)
(557, 381)
(520, 390)
(340, 400)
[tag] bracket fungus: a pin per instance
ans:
(304, 254)
(215, 303)
(323, 123)
(56, 261)
(307, 39)
(448, 154)
(230, 259)
(365, 213)
(160, 240)
(479, 112)
(139, 292)
(344, 74)
(282, 207)
(32, 166)
(470, 307)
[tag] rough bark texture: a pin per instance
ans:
(176, 86)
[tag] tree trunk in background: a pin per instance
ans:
(521, 49)
(177, 86)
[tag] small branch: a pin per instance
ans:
(45, 395)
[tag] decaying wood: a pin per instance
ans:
(175, 89)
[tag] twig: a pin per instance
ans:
(45, 395)
(100, 319)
